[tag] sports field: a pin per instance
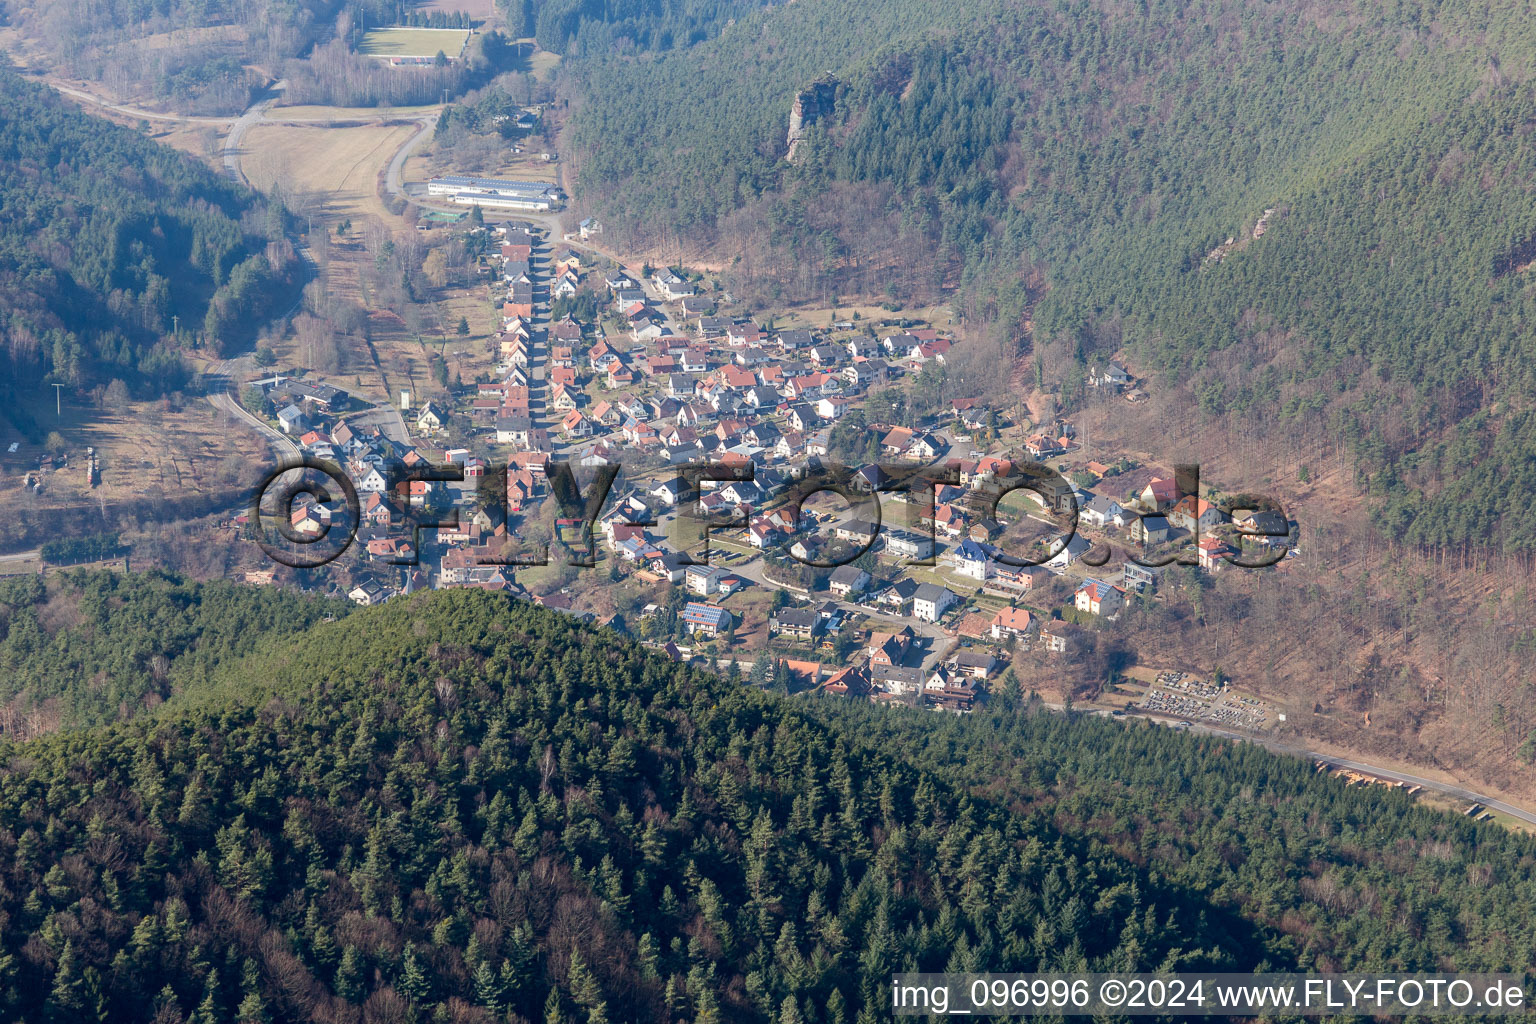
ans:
(413, 42)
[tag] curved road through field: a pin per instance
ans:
(255, 112)
(131, 111)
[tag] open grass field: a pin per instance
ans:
(433, 162)
(542, 63)
(199, 141)
(413, 42)
(146, 449)
(341, 165)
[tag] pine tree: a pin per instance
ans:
(168, 1007)
(252, 1010)
(349, 975)
(553, 1010)
(488, 992)
(209, 1011)
(583, 984)
(65, 1003)
(413, 983)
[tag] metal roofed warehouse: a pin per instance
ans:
(502, 192)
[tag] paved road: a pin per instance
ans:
(392, 182)
(221, 380)
(22, 556)
(129, 111)
(1294, 750)
(253, 114)
(387, 418)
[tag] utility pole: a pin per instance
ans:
(58, 402)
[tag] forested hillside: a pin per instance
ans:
(460, 807)
(1085, 165)
(109, 243)
(583, 27)
(89, 648)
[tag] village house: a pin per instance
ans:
(513, 429)
(1150, 530)
(1135, 576)
(1159, 495)
(803, 623)
(898, 596)
(1265, 526)
(1213, 552)
(1111, 376)
(292, 420)
(897, 679)
(974, 664)
(368, 592)
(1017, 623)
(1102, 511)
(911, 546)
(931, 601)
(1099, 598)
(970, 559)
(857, 531)
(1196, 515)
(889, 648)
(846, 580)
(1075, 547)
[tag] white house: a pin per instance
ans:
(931, 601)
(1101, 511)
(1099, 598)
(668, 491)
(430, 417)
(970, 559)
(1074, 549)
(703, 580)
(368, 592)
(373, 482)
(291, 418)
(847, 579)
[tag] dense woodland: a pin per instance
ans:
(460, 807)
(96, 647)
(1078, 164)
(590, 27)
(116, 253)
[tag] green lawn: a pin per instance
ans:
(413, 42)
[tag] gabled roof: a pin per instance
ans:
(1016, 619)
(848, 574)
(1098, 590)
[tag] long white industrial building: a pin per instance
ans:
(498, 193)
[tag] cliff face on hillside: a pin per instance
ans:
(811, 104)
